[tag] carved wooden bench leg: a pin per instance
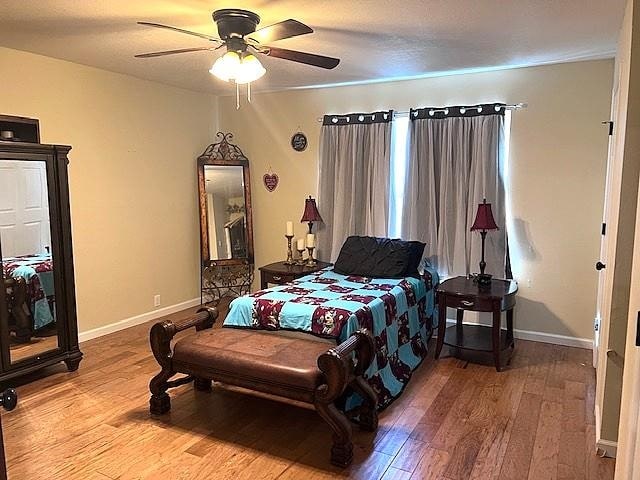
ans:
(342, 449)
(202, 384)
(160, 403)
(160, 338)
(368, 418)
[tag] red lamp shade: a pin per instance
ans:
(311, 213)
(484, 218)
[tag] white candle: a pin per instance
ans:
(290, 228)
(301, 244)
(311, 240)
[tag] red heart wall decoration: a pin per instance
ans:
(270, 181)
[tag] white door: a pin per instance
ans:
(608, 245)
(24, 208)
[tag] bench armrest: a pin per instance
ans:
(163, 332)
(203, 319)
(338, 366)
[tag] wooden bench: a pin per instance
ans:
(293, 368)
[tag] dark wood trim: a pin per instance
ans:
(248, 212)
(5, 359)
(204, 216)
(28, 129)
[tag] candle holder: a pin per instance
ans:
(300, 260)
(310, 261)
(289, 260)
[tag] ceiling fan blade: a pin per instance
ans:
(280, 31)
(302, 57)
(176, 29)
(173, 52)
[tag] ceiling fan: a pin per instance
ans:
(237, 32)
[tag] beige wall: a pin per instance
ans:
(557, 168)
(133, 178)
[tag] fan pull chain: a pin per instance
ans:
(249, 91)
(237, 97)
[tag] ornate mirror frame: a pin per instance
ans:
(224, 277)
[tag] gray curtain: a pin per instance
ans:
(353, 189)
(453, 164)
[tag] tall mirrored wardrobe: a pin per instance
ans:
(38, 324)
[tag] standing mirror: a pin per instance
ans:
(27, 261)
(226, 212)
(38, 324)
(225, 221)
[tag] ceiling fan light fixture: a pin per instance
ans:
(226, 66)
(241, 70)
(249, 70)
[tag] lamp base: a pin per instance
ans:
(483, 279)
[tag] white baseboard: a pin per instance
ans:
(137, 320)
(545, 337)
(586, 343)
(160, 312)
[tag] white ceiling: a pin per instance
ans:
(376, 39)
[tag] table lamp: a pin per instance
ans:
(311, 213)
(484, 222)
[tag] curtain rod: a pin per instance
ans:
(405, 113)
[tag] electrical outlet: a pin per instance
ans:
(156, 301)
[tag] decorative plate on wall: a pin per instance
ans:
(299, 142)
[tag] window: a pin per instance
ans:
(399, 160)
(450, 249)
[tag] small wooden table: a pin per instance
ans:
(280, 273)
(463, 293)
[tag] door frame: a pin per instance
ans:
(608, 243)
(628, 458)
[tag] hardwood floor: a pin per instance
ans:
(454, 421)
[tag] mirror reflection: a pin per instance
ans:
(27, 264)
(224, 186)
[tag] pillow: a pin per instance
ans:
(416, 251)
(379, 257)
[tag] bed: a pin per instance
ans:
(400, 313)
(37, 272)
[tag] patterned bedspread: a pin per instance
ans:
(37, 271)
(400, 314)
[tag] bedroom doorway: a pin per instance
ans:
(613, 266)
